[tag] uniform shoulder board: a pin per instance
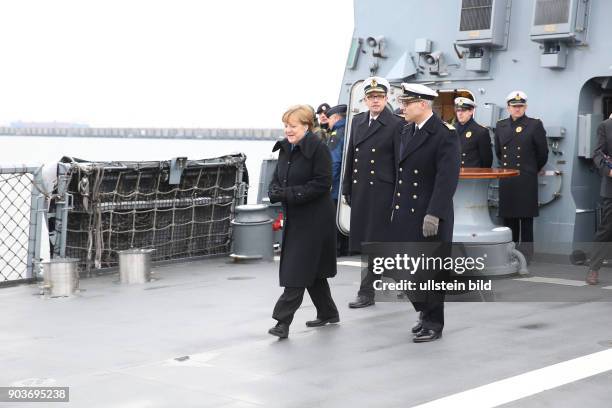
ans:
(449, 126)
(483, 126)
(333, 133)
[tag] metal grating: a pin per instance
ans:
(476, 15)
(552, 12)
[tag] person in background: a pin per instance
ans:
(337, 123)
(323, 119)
(302, 183)
(520, 143)
(476, 150)
(603, 236)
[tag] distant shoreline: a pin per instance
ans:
(148, 133)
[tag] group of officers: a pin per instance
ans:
(401, 172)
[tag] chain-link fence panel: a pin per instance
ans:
(17, 224)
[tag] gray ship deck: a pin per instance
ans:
(196, 337)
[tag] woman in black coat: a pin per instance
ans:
(302, 183)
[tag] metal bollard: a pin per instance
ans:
(135, 265)
(60, 277)
(252, 233)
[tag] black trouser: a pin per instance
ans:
(431, 312)
(342, 241)
(291, 299)
(603, 236)
(367, 283)
(430, 303)
(522, 234)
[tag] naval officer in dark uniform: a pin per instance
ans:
(427, 165)
(369, 175)
(476, 150)
(520, 143)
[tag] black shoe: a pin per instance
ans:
(426, 335)
(361, 301)
(322, 322)
(281, 330)
(417, 327)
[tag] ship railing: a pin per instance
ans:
(22, 204)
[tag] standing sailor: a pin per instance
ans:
(428, 164)
(520, 143)
(603, 236)
(336, 117)
(476, 150)
(369, 175)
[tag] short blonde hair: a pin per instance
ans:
(302, 113)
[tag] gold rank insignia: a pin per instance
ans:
(373, 84)
(519, 129)
(333, 133)
(449, 126)
(468, 134)
(517, 97)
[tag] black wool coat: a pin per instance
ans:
(476, 149)
(521, 145)
(302, 182)
(601, 156)
(428, 167)
(369, 176)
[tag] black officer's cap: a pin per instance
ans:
(336, 109)
(323, 108)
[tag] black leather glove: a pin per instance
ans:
(276, 194)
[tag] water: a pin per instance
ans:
(34, 150)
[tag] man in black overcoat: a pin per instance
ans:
(428, 165)
(476, 150)
(520, 143)
(369, 175)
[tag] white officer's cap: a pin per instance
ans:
(516, 98)
(417, 91)
(464, 103)
(375, 84)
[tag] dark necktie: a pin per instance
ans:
(408, 134)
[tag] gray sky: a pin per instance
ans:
(162, 63)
